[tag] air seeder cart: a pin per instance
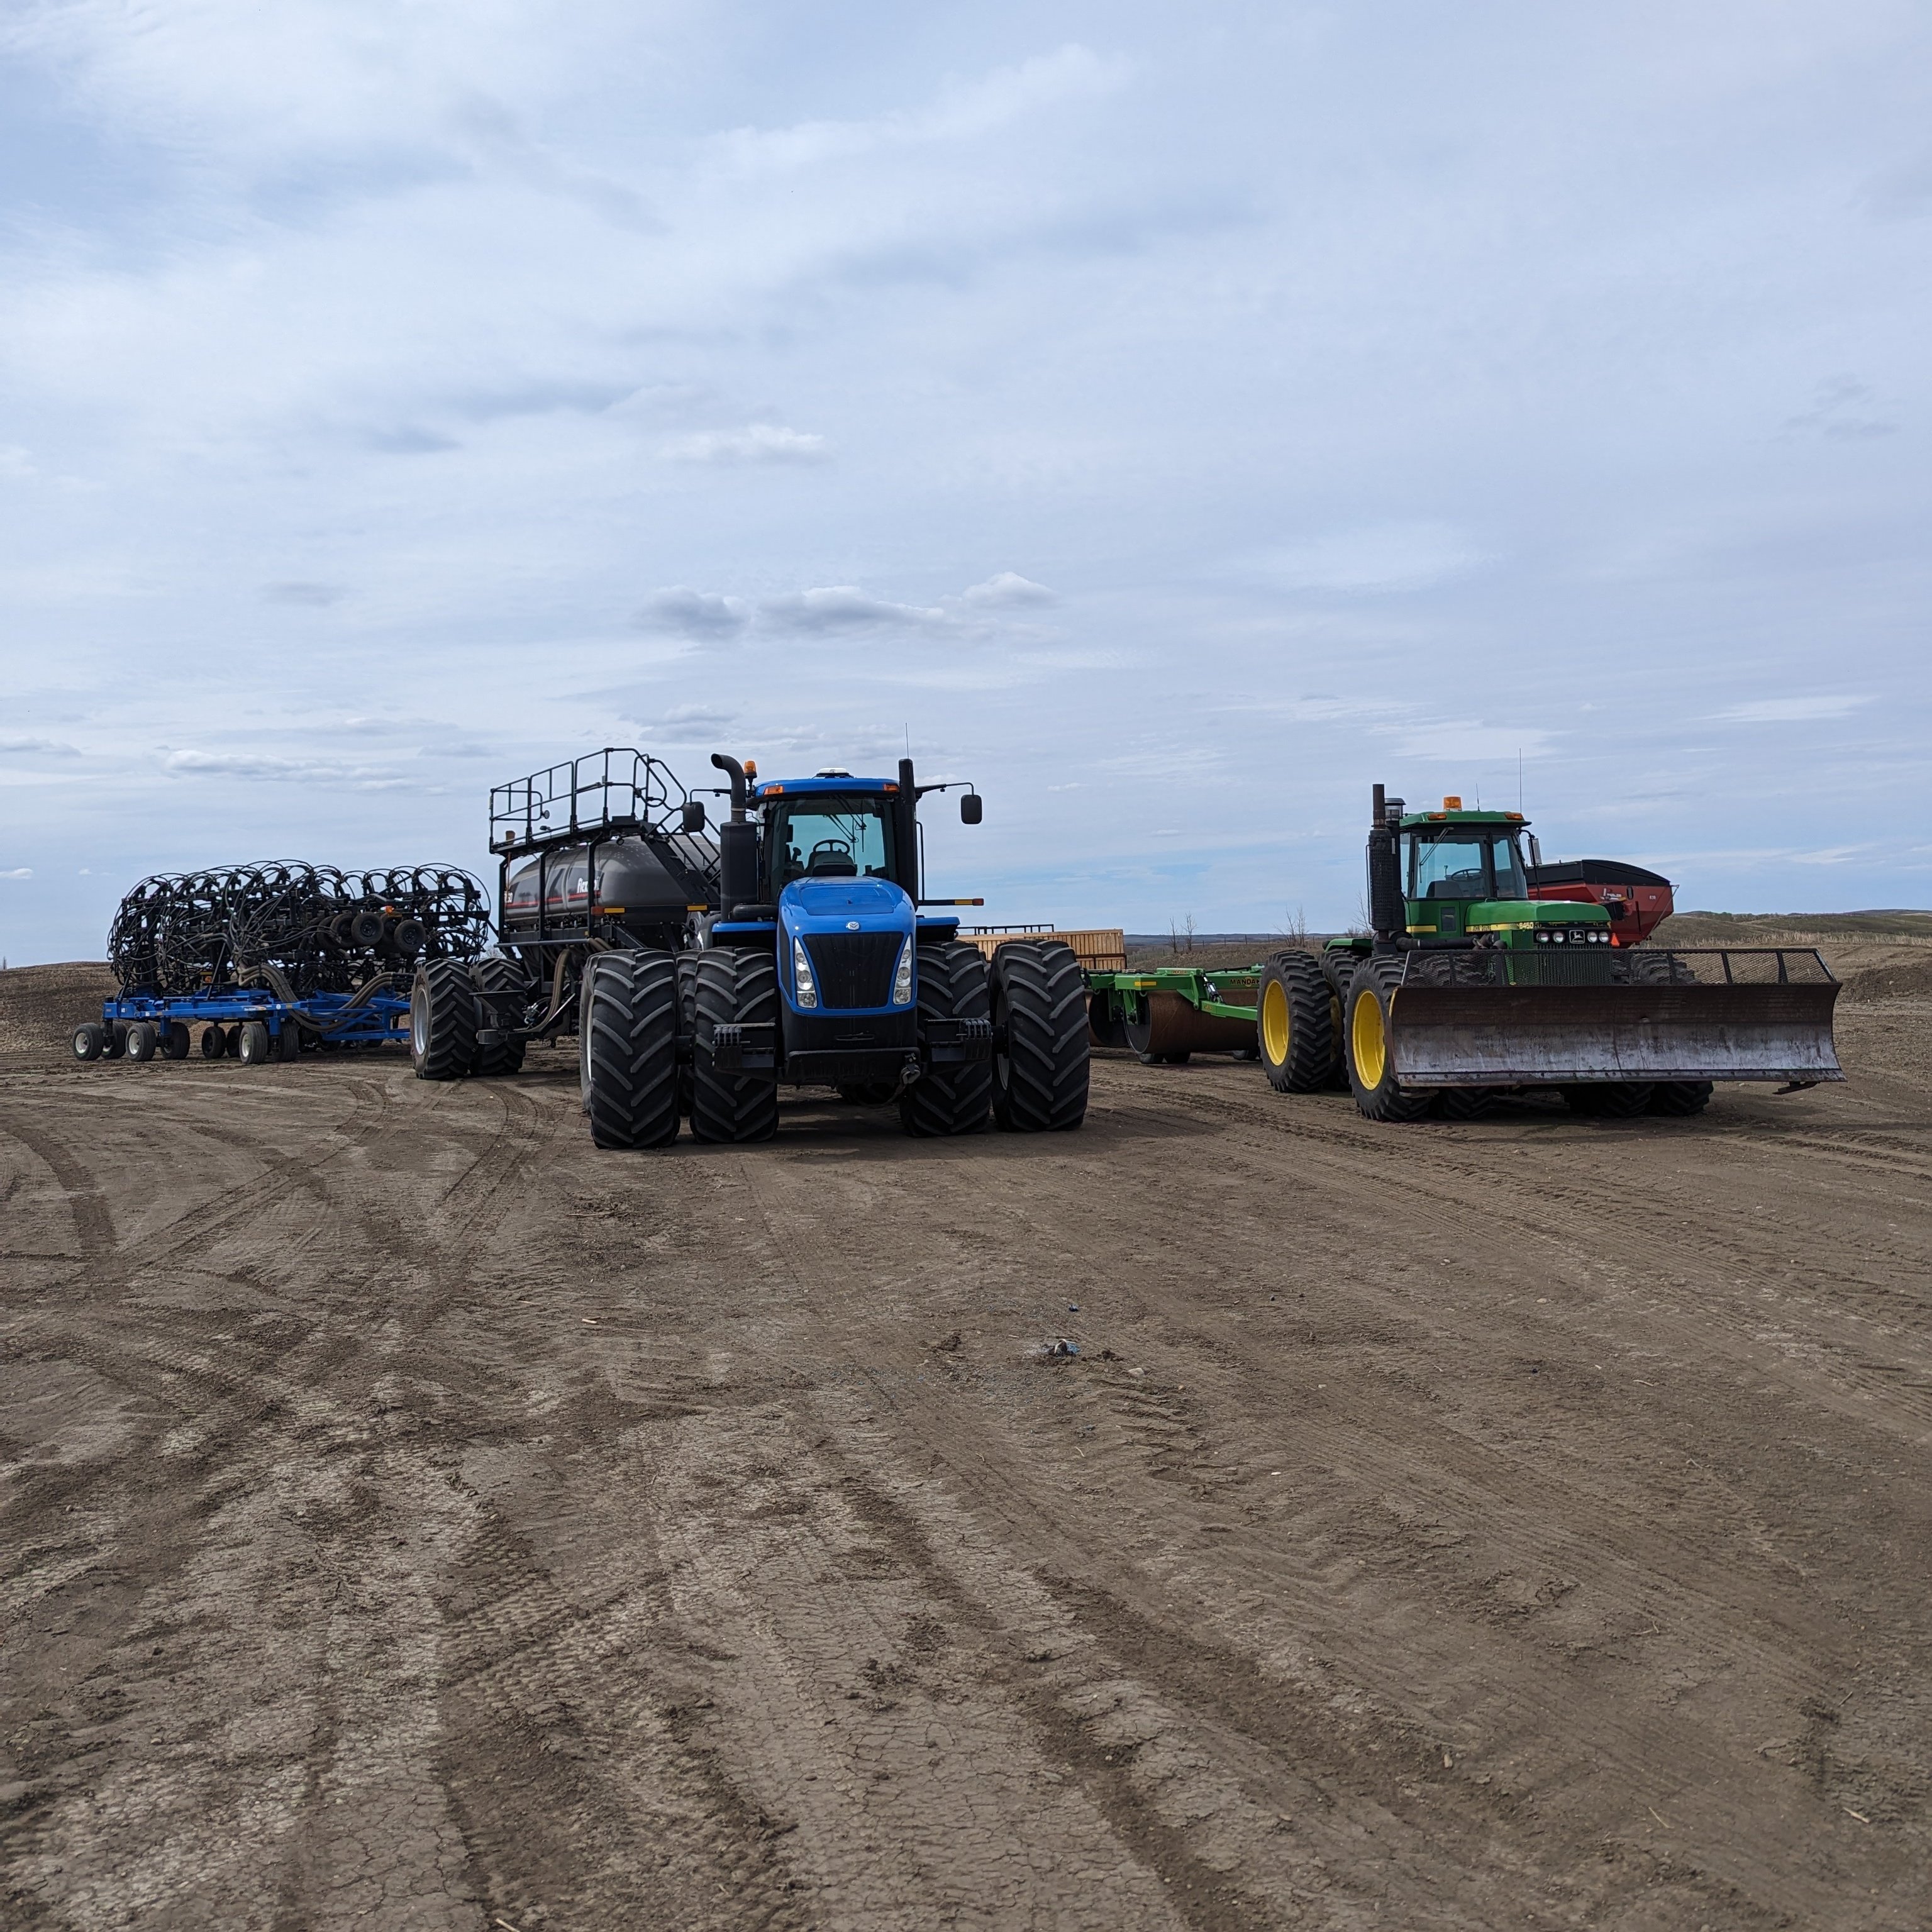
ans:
(701, 974)
(1470, 983)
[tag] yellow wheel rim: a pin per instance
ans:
(1367, 1043)
(1274, 1023)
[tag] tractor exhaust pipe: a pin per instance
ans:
(1385, 905)
(737, 845)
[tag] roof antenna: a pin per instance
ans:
(908, 732)
(1519, 781)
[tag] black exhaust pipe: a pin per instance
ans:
(1386, 914)
(737, 845)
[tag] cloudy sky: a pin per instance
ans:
(1173, 418)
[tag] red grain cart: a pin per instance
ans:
(1637, 902)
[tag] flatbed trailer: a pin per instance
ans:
(253, 1024)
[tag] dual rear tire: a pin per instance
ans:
(1040, 1038)
(627, 1049)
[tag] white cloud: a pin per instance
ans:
(1006, 591)
(15, 461)
(844, 607)
(962, 111)
(45, 747)
(701, 615)
(758, 442)
(1791, 710)
(297, 771)
(19, 872)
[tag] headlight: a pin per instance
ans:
(902, 977)
(805, 987)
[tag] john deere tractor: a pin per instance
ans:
(796, 950)
(1467, 986)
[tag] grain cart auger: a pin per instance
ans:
(1467, 985)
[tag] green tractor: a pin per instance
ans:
(1466, 986)
(1469, 985)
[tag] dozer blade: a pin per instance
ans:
(1518, 1035)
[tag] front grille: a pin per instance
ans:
(1561, 966)
(853, 969)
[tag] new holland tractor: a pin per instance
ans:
(1467, 985)
(701, 974)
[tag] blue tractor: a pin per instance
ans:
(796, 950)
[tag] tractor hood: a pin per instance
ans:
(1513, 915)
(842, 944)
(845, 905)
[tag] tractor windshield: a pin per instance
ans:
(1463, 861)
(828, 836)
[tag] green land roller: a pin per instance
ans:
(1467, 986)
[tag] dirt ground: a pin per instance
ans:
(414, 1518)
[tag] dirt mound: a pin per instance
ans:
(40, 1006)
(1904, 980)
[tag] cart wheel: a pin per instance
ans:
(176, 1041)
(140, 1041)
(288, 1041)
(90, 1041)
(234, 1037)
(117, 1041)
(254, 1043)
(213, 1043)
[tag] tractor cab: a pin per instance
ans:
(1464, 878)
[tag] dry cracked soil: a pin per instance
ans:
(415, 1518)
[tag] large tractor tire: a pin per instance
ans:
(1040, 1068)
(494, 974)
(687, 1027)
(628, 1048)
(442, 1021)
(952, 979)
(1609, 1099)
(732, 987)
(1680, 1098)
(1371, 1068)
(1294, 1024)
(1338, 967)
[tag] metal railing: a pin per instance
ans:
(613, 789)
(1611, 966)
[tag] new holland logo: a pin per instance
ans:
(851, 925)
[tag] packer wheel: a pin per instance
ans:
(140, 1041)
(90, 1040)
(213, 1043)
(256, 1044)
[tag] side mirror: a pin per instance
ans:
(969, 809)
(693, 815)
